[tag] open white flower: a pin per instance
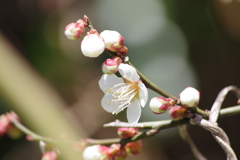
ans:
(126, 92)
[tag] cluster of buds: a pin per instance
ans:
(115, 151)
(93, 44)
(189, 97)
(6, 126)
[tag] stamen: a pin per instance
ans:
(124, 94)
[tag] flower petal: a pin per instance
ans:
(108, 81)
(128, 72)
(134, 112)
(143, 94)
(109, 107)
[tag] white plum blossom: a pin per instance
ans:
(189, 97)
(92, 45)
(126, 92)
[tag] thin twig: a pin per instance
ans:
(217, 133)
(186, 137)
(221, 137)
(219, 100)
(170, 123)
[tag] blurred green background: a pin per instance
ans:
(176, 44)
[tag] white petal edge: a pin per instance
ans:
(143, 94)
(133, 112)
(109, 107)
(128, 72)
(108, 81)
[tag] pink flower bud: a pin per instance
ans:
(110, 66)
(159, 105)
(96, 152)
(113, 41)
(49, 156)
(127, 132)
(189, 97)
(177, 113)
(92, 45)
(74, 31)
(134, 148)
(117, 153)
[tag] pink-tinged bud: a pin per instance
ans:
(12, 116)
(74, 31)
(49, 156)
(110, 66)
(114, 42)
(127, 132)
(4, 123)
(189, 97)
(13, 132)
(92, 45)
(134, 148)
(177, 113)
(117, 153)
(159, 105)
(96, 152)
(29, 138)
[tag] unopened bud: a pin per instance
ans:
(110, 66)
(74, 31)
(134, 148)
(189, 97)
(159, 105)
(92, 45)
(114, 42)
(49, 156)
(127, 132)
(177, 113)
(117, 152)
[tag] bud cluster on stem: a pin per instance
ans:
(189, 97)
(93, 44)
(115, 151)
